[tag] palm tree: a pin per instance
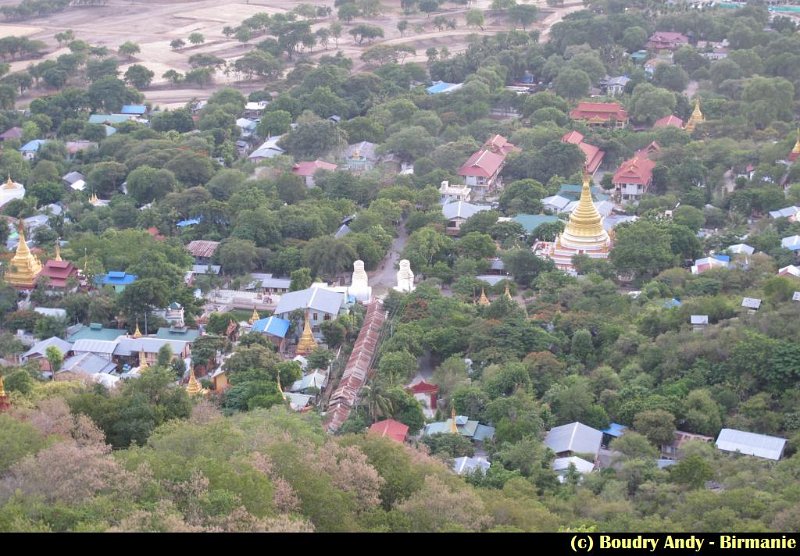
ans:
(377, 403)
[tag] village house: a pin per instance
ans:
(39, 350)
(463, 426)
(389, 428)
(267, 149)
(574, 439)
(202, 251)
(468, 465)
(320, 304)
(11, 134)
(452, 193)
(306, 170)
(603, 114)
(116, 279)
(668, 121)
(673, 450)
(457, 213)
(481, 171)
(633, 178)
(665, 40)
(275, 329)
(613, 86)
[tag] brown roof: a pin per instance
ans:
(202, 248)
(599, 111)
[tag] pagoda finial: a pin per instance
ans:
(193, 387)
(137, 333)
(254, 317)
(796, 149)
(307, 342)
(483, 299)
(507, 293)
(453, 426)
(283, 395)
(142, 361)
(9, 183)
(696, 117)
(58, 250)
(2, 388)
(4, 403)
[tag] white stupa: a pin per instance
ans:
(10, 191)
(359, 288)
(405, 278)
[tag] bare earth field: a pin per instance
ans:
(153, 24)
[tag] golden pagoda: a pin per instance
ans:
(307, 342)
(583, 235)
(2, 388)
(795, 154)
(94, 200)
(254, 317)
(696, 117)
(142, 361)
(137, 333)
(507, 293)
(483, 299)
(453, 425)
(24, 267)
(193, 386)
(58, 250)
(585, 226)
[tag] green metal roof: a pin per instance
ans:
(532, 221)
(93, 332)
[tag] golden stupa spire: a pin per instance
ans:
(94, 199)
(254, 317)
(142, 361)
(137, 333)
(9, 183)
(24, 267)
(585, 221)
(193, 386)
(453, 426)
(58, 250)
(2, 388)
(483, 299)
(796, 149)
(696, 117)
(307, 342)
(507, 293)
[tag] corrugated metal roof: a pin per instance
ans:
(94, 346)
(40, 348)
(750, 443)
(273, 326)
(461, 209)
(318, 299)
(574, 437)
(87, 363)
(130, 346)
(465, 465)
(581, 465)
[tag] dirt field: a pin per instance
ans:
(153, 24)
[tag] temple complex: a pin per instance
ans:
(583, 235)
(24, 267)
(696, 117)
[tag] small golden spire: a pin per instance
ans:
(94, 200)
(142, 360)
(696, 117)
(796, 149)
(254, 317)
(24, 266)
(307, 342)
(2, 388)
(453, 426)
(137, 333)
(9, 183)
(193, 386)
(58, 250)
(507, 293)
(585, 225)
(483, 299)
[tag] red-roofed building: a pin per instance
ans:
(390, 428)
(481, 172)
(500, 145)
(426, 393)
(594, 156)
(153, 231)
(666, 40)
(633, 178)
(306, 170)
(606, 114)
(58, 272)
(669, 121)
(650, 150)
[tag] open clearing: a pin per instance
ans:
(153, 24)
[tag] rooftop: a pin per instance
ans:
(750, 443)
(390, 428)
(574, 437)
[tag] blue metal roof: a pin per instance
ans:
(723, 258)
(137, 109)
(273, 326)
(33, 146)
(189, 222)
(615, 430)
(116, 278)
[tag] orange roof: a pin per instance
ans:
(500, 145)
(309, 168)
(598, 111)
(389, 427)
(573, 138)
(669, 121)
(637, 170)
(594, 156)
(483, 164)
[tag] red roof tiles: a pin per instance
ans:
(390, 428)
(309, 168)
